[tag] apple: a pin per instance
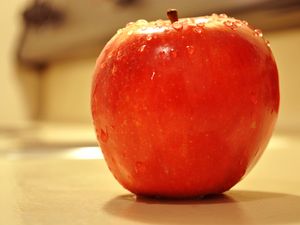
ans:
(184, 107)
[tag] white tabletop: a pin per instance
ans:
(74, 186)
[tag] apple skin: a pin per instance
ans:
(184, 109)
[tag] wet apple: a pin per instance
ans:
(184, 107)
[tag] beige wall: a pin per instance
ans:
(286, 48)
(66, 91)
(15, 103)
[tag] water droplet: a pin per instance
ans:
(258, 33)
(223, 15)
(190, 22)
(198, 29)
(201, 20)
(130, 32)
(141, 49)
(159, 22)
(143, 29)
(154, 36)
(129, 24)
(200, 25)
(234, 26)
(190, 49)
(173, 53)
(119, 56)
(161, 54)
(228, 23)
(152, 76)
(214, 15)
(114, 70)
(119, 31)
(141, 22)
(238, 23)
(244, 22)
(139, 167)
(149, 37)
(168, 30)
(177, 25)
(267, 43)
(103, 135)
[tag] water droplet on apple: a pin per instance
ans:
(103, 135)
(119, 56)
(159, 23)
(198, 29)
(190, 49)
(200, 25)
(214, 15)
(139, 167)
(142, 48)
(141, 22)
(114, 70)
(119, 31)
(244, 22)
(177, 25)
(143, 29)
(173, 53)
(154, 36)
(130, 32)
(238, 23)
(234, 26)
(162, 54)
(223, 15)
(129, 24)
(228, 23)
(190, 22)
(168, 30)
(149, 37)
(152, 75)
(268, 43)
(258, 33)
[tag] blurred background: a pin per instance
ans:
(49, 48)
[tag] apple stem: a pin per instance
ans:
(172, 15)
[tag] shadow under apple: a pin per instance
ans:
(233, 207)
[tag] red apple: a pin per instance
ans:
(184, 108)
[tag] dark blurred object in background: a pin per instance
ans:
(41, 13)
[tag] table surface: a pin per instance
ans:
(74, 186)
